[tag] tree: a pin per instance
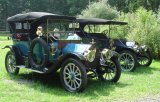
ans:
(133, 5)
(66, 7)
(76, 6)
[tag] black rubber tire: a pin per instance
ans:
(83, 75)
(46, 53)
(149, 61)
(117, 73)
(16, 70)
(133, 57)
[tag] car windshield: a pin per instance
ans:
(93, 28)
(61, 29)
(109, 30)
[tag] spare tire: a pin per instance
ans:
(38, 53)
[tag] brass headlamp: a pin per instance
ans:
(106, 53)
(90, 55)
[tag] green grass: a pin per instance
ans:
(2, 38)
(4, 35)
(32, 87)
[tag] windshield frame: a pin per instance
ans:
(61, 22)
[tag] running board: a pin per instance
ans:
(22, 66)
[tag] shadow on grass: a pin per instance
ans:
(51, 84)
(98, 88)
(143, 70)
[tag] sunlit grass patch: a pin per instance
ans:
(28, 86)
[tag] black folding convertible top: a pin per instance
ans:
(37, 15)
(99, 21)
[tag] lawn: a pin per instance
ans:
(4, 35)
(2, 38)
(29, 87)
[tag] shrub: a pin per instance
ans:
(99, 9)
(144, 28)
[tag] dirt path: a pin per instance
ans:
(155, 98)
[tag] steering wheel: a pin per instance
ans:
(105, 32)
(50, 35)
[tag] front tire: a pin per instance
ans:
(145, 59)
(128, 61)
(112, 71)
(73, 75)
(10, 63)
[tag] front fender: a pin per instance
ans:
(58, 63)
(114, 54)
(108, 54)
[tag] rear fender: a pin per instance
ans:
(120, 49)
(63, 58)
(74, 56)
(17, 53)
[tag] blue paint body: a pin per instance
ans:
(23, 46)
(68, 48)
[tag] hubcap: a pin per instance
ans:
(126, 61)
(11, 63)
(72, 76)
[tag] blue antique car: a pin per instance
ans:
(132, 54)
(45, 42)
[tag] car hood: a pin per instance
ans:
(76, 48)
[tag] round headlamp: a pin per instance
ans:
(130, 43)
(106, 53)
(144, 47)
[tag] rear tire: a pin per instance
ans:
(128, 61)
(73, 75)
(10, 63)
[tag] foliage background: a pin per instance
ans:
(143, 16)
(67, 7)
